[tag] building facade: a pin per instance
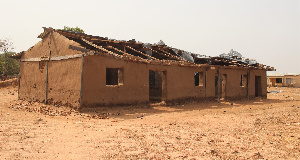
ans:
(283, 80)
(79, 70)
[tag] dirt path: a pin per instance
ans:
(256, 129)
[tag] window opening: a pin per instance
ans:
(198, 78)
(243, 81)
(278, 80)
(289, 80)
(114, 76)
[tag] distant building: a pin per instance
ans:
(283, 79)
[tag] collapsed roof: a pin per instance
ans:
(158, 53)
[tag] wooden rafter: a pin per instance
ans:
(178, 58)
(82, 49)
(163, 51)
(124, 53)
(101, 48)
(160, 53)
(141, 52)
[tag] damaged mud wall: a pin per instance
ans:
(236, 83)
(33, 73)
(32, 81)
(132, 87)
(181, 84)
(63, 75)
(137, 83)
(258, 84)
(54, 42)
(172, 83)
(64, 78)
(235, 86)
(63, 82)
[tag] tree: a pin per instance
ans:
(8, 66)
(77, 29)
(6, 45)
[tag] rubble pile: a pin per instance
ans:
(42, 109)
(56, 111)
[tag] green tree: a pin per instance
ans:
(77, 29)
(8, 66)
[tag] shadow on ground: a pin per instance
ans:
(133, 112)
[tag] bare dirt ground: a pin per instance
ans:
(255, 129)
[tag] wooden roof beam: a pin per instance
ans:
(78, 48)
(140, 52)
(124, 53)
(162, 54)
(178, 58)
(101, 48)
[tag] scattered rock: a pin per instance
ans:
(257, 121)
(235, 152)
(257, 156)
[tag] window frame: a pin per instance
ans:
(198, 80)
(278, 79)
(243, 80)
(120, 76)
(290, 80)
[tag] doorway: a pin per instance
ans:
(223, 86)
(258, 89)
(157, 86)
(216, 86)
(220, 91)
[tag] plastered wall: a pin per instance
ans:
(94, 89)
(32, 82)
(297, 81)
(64, 80)
(56, 43)
(261, 73)
(179, 83)
(233, 88)
(64, 77)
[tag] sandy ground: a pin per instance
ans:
(255, 129)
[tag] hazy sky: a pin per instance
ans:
(265, 30)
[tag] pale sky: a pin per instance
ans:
(265, 30)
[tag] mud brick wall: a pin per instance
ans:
(64, 80)
(64, 76)
(178, 83)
